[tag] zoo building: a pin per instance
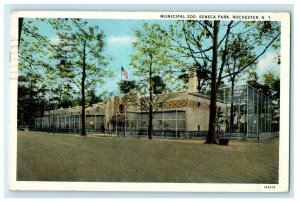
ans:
(243, 114)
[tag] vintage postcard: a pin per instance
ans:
(149, 101)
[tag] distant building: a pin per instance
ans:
(184, 111)
(183, 114)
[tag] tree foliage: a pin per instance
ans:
(32, 82)
(149, 63)
(127, 86)
(270, 87)
(239, 45)
(30, 101)
(67, 64)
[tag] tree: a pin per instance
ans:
(80, 52)
(270, 87)
(159, 85)
(149, 62)
(70, 64)
(213, 97)
(274, 83)
(207, 42)
(239, 55)
(33, 51)
(127, 86)
(30, 102)
(189, 61)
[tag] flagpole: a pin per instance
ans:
(121, 72)
(121, 76)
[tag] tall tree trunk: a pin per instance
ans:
(83, 130)
(211, 138)
(60, 95)
(198, 80)
(150, 123)
(49, 109)
(231, 107)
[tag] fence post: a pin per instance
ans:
(247, 112)
(176, 122)
(117, 124)
(163, 123)
(124, 123)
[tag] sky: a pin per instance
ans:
(119, 39)
(119, 36)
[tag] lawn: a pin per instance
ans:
(58, 157)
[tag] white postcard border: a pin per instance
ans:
(283, 184)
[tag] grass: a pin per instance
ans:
(49, 157)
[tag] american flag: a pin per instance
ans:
(124, 73)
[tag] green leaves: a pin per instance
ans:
(151, 64)
(54, 62)
(152, 40)
(127, 86)
(159, 85)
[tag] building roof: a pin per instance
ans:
(90, 110)
(99, 108)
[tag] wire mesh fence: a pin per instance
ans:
(70, 123)
(247, 110)
(171, 123)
